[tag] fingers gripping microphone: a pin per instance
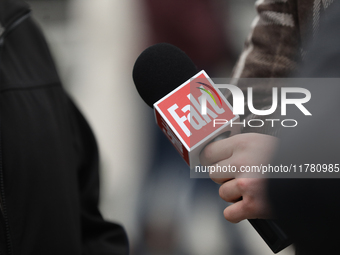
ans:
(168, 81)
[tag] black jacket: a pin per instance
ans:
(49, 169)
(310, 208)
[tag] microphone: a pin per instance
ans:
(159, 70)
(168, 81)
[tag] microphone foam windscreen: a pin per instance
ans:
(159, 70)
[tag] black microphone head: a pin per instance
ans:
(159, 70)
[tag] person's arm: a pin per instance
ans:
(272, 47)
(99, 237)
(272, 50)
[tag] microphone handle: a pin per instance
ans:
(271, 233)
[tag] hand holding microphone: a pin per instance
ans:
(246, 149)
(168, 81)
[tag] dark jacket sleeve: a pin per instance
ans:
(99, 237)
(309, 208)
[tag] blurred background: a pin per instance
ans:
(145, 185)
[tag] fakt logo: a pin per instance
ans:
(181, 108)
(178, 115)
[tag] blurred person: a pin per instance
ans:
(49, 183)
(307, 208)
(275, 46)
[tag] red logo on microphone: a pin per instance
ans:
(179, 115)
